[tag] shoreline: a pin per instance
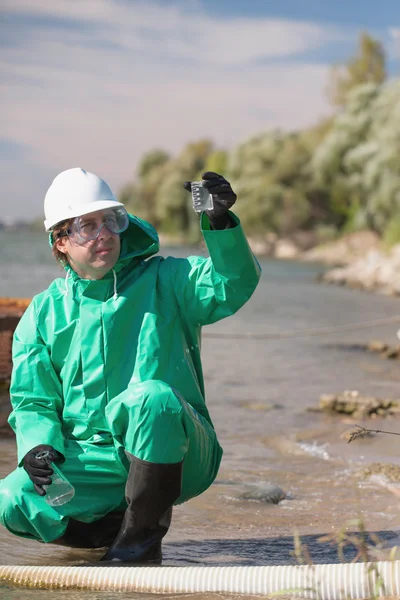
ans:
(357, 260)
(377, 271)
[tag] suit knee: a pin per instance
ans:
(24, 513)
(146, 420)
(149, 398)
(12, 491)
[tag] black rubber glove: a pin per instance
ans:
(40, 471)
(223, 197)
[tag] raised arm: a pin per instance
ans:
(210, 289)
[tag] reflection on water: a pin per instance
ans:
(258, 393)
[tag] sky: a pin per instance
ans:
(98, 83)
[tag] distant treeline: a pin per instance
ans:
(341, 175)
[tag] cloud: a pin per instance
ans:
(113, 80)
(177, 30)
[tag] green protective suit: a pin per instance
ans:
(110, 365)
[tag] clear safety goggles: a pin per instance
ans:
(88, 227)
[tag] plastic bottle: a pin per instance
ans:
(60, 490)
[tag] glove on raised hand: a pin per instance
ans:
(39, 470)
(223, 197)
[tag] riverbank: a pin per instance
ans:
(358, 260)
(377, 271)
(306, 246)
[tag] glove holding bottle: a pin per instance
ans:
(47, 478)
(222, 198)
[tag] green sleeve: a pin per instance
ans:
(211, 289)
(35, 390)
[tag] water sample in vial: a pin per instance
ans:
(202, 199)
(60, 490)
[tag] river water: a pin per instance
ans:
(259, 390)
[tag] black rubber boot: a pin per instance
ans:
(151, 490)
(91, 535)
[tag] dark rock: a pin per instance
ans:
(264, 492)
(392, 353)
(354, 404)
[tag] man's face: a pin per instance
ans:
(94, 258)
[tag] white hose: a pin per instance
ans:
(322, 582)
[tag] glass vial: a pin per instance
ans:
(201, 197)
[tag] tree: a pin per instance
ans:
(173, 203)
(158, 195)
(140, 197)
(152, 159)
(367, 66)
(217, 162)
(358, 161)
(270, 173)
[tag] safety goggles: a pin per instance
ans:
(88, 227)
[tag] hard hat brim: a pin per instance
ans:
(49, 224)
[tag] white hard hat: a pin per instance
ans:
(74, 193)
